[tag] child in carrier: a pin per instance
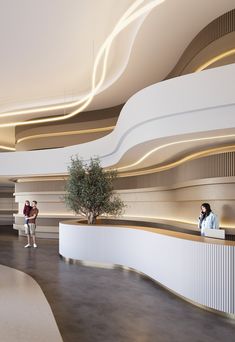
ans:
(26, 212)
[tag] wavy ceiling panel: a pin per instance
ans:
(189, 108)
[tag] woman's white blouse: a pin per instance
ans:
(210, 221)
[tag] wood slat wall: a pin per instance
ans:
(218, 28)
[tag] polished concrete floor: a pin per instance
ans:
(110, 305)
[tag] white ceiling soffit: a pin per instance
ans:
(48, 48)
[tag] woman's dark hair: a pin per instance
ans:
(208, 208)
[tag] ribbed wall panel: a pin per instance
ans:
(218, 28)
(7, 206)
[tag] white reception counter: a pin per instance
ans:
(199, 269)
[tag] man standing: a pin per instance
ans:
(30, 230)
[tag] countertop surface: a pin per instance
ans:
(162, 231)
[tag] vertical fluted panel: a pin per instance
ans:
(214, 276)
(216, 29)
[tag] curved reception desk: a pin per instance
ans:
(199, 269)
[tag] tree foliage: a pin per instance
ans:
(89, 190)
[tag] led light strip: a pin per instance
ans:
(216, 59)
(56, 134)
(41, 179)
(171, 220)
(7, 148)
(101, 51)
(125, 20)
(145, 156)
(160, 219)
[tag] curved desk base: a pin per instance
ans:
(198, 269)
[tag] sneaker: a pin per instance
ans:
(27, 246)
(34, 245)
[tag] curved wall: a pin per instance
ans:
(168, 110)
(218, 28)
(173, 196)
(7, 205)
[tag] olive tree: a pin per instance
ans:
(89, 190)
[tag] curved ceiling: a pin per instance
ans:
(48, 49)
(199, 115)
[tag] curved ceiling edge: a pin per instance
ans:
(195, 155)
(216, 29)
(196, 98)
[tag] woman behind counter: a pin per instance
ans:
(207, 219)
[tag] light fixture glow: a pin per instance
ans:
(170, 219)
(215, 59)
(125, 20)
(41, 179)
(103, 48)
(57, 134)
(7, 148)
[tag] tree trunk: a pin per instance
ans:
(91, 218)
